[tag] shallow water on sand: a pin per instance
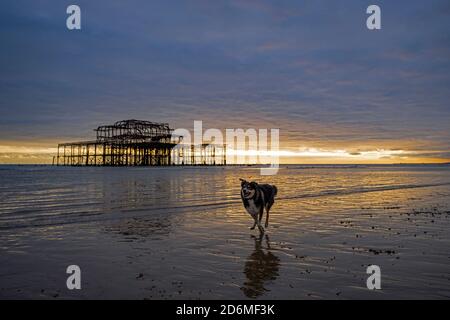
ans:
(168, 233)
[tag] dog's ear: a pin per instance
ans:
(253, 184)
(242, 182)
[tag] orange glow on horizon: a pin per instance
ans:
(36, 154)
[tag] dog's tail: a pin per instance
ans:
(275, 190)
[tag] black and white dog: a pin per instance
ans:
(257, 197)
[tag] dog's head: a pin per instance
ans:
(248, 189)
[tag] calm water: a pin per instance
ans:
(42, 195)
(182, 232)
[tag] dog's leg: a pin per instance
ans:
(267, 217)
(260, 227)
(254, 223)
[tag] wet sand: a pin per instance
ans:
(320, 240)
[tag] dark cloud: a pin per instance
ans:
(310, 68)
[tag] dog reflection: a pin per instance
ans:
(261, 266)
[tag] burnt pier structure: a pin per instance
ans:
(138, 143)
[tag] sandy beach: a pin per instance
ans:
(182, 233)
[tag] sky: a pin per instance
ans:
(338, 92)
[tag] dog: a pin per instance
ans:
(257, 197)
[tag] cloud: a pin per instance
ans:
(310, 68)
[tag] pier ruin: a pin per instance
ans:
(138, 143)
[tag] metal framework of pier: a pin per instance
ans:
(138, 143)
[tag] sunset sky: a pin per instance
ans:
(338, 92)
